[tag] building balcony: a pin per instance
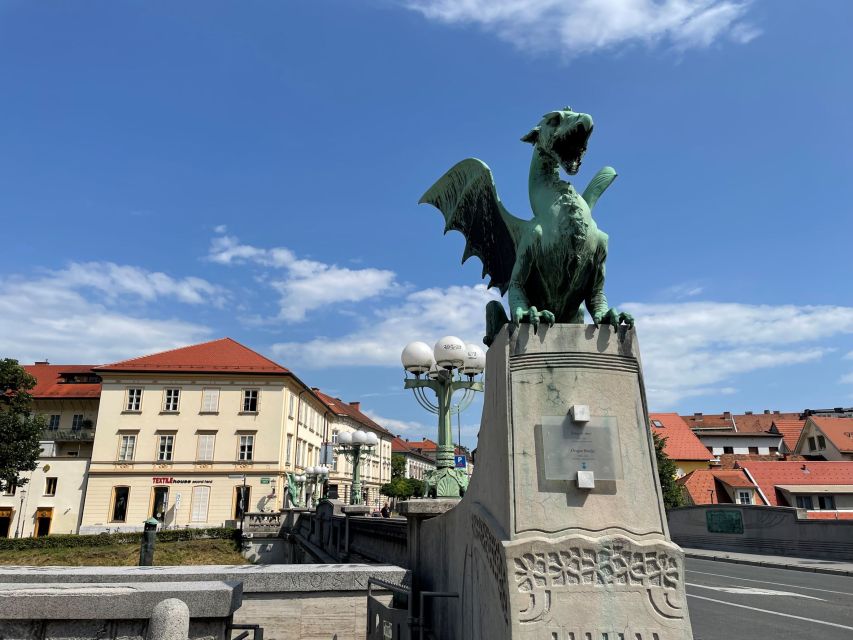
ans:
(65, 435)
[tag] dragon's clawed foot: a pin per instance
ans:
(533, 316)
(613, 318)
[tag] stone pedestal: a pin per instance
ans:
(562, 534)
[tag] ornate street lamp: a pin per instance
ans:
(355, 445)
(315, 475)
(449, 367)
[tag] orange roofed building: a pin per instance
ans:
(682, 446)
(825, 438)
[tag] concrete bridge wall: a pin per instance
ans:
(753, 529)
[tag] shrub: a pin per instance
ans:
(106, 539)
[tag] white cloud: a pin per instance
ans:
(847, 378)
(308, 284)
(698, 348)
(425, 315)
(68, 316)
(580, 26)
(113, 281)
(407, 428)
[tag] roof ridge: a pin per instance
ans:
(162, 353)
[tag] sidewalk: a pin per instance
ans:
(835, 567)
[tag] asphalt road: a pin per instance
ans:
(741, 602)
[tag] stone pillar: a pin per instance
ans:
(562, 533)
(170, 620)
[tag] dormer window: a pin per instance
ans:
(658, 424)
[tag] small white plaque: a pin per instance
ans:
(579, 413)
(586, 480)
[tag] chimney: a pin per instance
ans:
(315, 388)
(727, 415)
(749, 413)
(698, 415)
(777, 412)
(41, 361)
(767, 412)
(355, 405)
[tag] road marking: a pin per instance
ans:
(775, 613)
(753, 591)
(778, 584)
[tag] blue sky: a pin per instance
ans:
(176, 172)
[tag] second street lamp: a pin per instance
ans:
(355, 446)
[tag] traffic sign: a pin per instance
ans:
(460, 462)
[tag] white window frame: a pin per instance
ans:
(54, 425)
(247, 399)
(205, 453)
(210, 400)
(171, 398)
(126, 446)
(165, 447)
(287, 456)
(133, 399)
(47, 486)
(744, 493)
(77, 422)
(246, 447)
(292, 402)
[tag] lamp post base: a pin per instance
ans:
(446, 483)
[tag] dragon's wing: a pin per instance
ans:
(467, 197)
(597, 185)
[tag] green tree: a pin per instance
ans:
(20, 430)
(398, 465)
(672, 495)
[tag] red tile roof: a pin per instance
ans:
(829, 515)
(54, 381)
(681, 443)
(769, 475)
(737, 422)
(790, 430)
(704, 486)
(839, 431)
(349, 409)
(428, 446)
(218, 356)
(398, 445)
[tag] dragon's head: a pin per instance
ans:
(562, 135)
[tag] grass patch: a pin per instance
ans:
(181, 552)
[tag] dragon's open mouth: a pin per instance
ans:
(570, 146)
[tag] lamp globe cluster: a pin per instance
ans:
(358, 437)
(449, 353)
(317, 471)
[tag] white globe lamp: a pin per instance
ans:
(359, 437)
(417, 357)
(345, 437)
(449, 352)
(475, 360)
(372, 439)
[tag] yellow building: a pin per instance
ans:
(195, 436)
(51, 501)
(375, 466)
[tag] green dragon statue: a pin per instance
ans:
(293, 491)
(548, 266)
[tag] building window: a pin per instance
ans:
(77, 422)
(287, 450)
(210, 400)
(120, 498)
(50, 486)
(812, 444)
(250, 400)
(165, 445)
(134, 400)
(774, 451)
(201, 499)
(53, 423)
(728, 449)
(10, 489)
(744, 496)
(292, 401)
(241, 501)
(171, 399)
(334, 437)
(204, 451)
(826, 502)
(821, 442)
(804, 502)
(657, 423)
(247, 446)
(127, 447)
(753, 450)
